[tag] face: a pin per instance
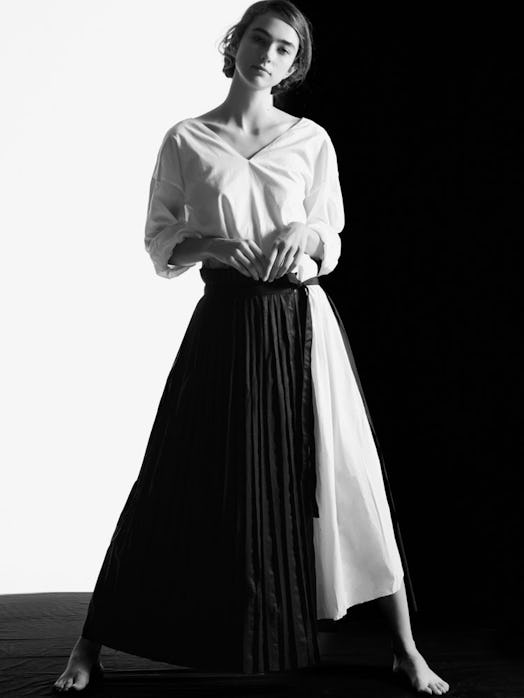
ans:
(268, 42)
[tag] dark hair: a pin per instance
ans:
(290, 14)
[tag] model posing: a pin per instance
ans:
(262, 502)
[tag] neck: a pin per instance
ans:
(249, 110)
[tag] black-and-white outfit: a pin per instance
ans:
(263, 502)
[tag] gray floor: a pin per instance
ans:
(38, 631)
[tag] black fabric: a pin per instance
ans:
(211, 564)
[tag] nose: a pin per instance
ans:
(265, 57)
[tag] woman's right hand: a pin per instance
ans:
(243, 255)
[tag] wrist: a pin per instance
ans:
(193, 249)
(208, 250)
(315, 246)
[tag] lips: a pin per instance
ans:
(261, 68)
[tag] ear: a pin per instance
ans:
(233, 50)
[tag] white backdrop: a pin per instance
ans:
(89, 88)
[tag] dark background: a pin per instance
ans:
(424, 119)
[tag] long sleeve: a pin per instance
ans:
(166, 223)
(324, 205)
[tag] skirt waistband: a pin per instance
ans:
(233, 282)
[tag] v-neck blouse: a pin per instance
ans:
(203, 187)
(232, 147)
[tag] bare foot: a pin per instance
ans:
(82, 664)
(413, 665)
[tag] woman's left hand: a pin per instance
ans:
(288, 248)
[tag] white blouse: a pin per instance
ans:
(202, 186)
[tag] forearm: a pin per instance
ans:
(192, 250)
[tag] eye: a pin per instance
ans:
(283, 49)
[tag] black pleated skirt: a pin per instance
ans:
(211, 564)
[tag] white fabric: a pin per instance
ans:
(356, 553)
(202, 186)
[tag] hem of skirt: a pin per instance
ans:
(369, 597)
(187, 662)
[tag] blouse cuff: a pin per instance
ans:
(331, 245)
(160, 249)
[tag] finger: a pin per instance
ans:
(277, 266)
(257, 259)
(258, 251)
(239, 267)
(287, 264)
(244, 257)
(248, 257)
(262, 261)
(298, 259)
(282, 253)
(255, 246)
(271, 261)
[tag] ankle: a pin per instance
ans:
(92, 644)
(87, 647)
(403, 648)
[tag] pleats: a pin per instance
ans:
(220, 558)
(212, 562)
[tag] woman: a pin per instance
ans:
(262, 503)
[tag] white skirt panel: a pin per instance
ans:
(357, 558)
